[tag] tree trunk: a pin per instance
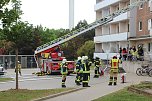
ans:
(16, 69)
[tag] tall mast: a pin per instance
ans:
(71, 14)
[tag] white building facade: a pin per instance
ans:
(110, 37)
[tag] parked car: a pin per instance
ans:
(1, 69)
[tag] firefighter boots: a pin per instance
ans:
(63, 86)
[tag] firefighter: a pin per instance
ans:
(64, 72)
(114, 70)
(97, 64)
(86, 71)
(19, 68)
(78, 71)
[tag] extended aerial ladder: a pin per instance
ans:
(84, 29)
(97, 23)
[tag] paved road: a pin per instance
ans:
(29, 81)
(100, 89)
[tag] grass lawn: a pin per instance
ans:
(27, 95)
(124, 95)
(5, 79)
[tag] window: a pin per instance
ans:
(141, 6)
(149, 47)
(150, 5)
(140, 26)
(128, 27)
(117, 8)
(149, 24)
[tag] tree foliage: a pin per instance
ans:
(87, 49)
(20, 34)
(10, 12)
(70, 48)
(14, 31)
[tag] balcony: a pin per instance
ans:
(105, 3)
(106, 56)
(121, 17)
(111, 38)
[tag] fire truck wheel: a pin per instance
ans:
(49, 72)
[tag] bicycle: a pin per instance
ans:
(145, 70)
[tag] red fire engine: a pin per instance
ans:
(51, 59)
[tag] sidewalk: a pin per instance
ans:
(98, 90)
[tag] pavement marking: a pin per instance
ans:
(32, 78)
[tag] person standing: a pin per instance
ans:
(114, 71)
(78, 71)
(97, 64)
(6, 64)
(124, 54)
(19, 68)
(86, 71)
(64, 72)
(140, 52)
(120, 52)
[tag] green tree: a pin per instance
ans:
(20, 35)
(14, 31)
(87, 49)
(70, 48)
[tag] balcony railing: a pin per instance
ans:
(104, 3)
(106, 56)
(111, 38)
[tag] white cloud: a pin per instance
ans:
(55, 13)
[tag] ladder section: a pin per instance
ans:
(84, 29)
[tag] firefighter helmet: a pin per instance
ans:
(64, 61)
(139, 46)
(83, 58)
(79, 58)
(114, 57)
(86, 57)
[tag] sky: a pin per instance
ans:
(55, 13)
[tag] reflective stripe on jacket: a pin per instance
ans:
(86, 67)
(114, 65)
(64, 69)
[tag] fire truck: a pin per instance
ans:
(49, 56)
(50, 60)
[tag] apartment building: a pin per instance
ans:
(132, 28)
(110, 37)
(141, 27)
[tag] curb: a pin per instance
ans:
(58, 94)
(139, 91)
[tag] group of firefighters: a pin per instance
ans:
(83, 70)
